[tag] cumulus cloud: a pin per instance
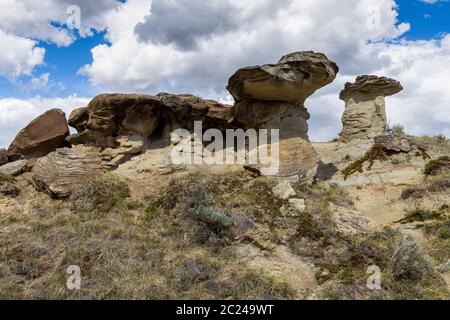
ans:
(47, 20)
(25, 22)
(176, 55)
(17, 113)
(19, 56)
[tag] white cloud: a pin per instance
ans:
(17, 113)
(19, 56)
(24, 22)
(46, 20)
(203, 64)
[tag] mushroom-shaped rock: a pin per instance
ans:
(272, 96)
(365, 111)
(43, 135)
(293, 79)
(60, 172)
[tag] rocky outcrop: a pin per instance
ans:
(42, 136)
(273, 96)
(365, 112)
(14, 168)
(128, 147)
(111, 115)
(60, 172)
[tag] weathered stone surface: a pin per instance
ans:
(325, 171)
(256, 114)
(109, 115)
(296, 76)
(273, 96)
(394, 142)
(14, 168)
(184, 109)
(365, 111)
(78, 119)
(283, 190)
(128, 147)
(42, 135)
(372, 86)
(3, 157)
(297, 204)
(60, 172)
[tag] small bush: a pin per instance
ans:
(316, 223)
(100, 194)
(434, 167)
(191, 271)
(254, 285)
(398, 129)
(199, 204)
(408, 261)
(420, 215)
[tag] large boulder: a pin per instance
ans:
(62, 171)
(273, 97)
(43, 135)
(365, 112)
(14, 168)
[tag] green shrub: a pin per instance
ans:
(408, 261)
(200, 205)
(421, 215)
(398, 129)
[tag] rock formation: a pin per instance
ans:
(43, 135)
(60, 172)
(112, 115)
(365, 113)
(273, 97)
(14, 168)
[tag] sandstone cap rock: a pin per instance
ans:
(293, 79)
(371, 85)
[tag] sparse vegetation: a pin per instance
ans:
(421, 215)
(434, 167)
(397, 129)
(100, 194)
(377, 152)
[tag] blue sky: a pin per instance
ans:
(193, 46)
(427, 20)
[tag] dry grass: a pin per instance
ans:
(179, 242)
